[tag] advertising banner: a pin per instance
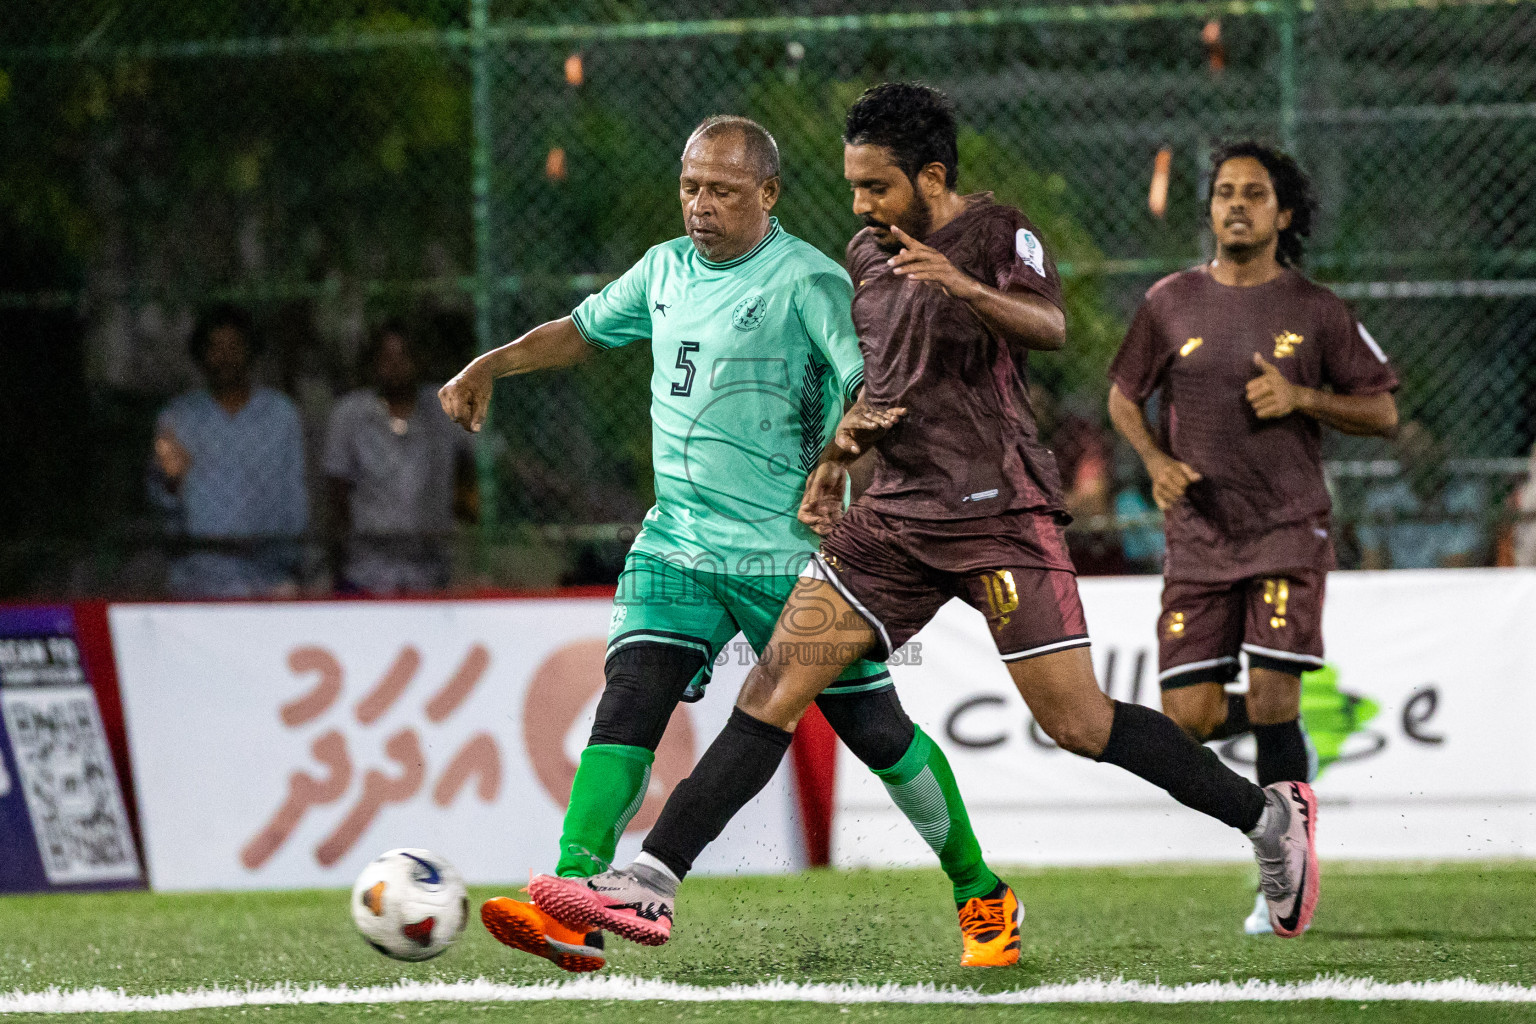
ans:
(286, 745)
(1423, 717)
(63, 823)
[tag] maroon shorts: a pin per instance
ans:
(1013, 568)
(1277, 621)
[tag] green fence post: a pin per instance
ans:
(1288, 76)
(480, 189)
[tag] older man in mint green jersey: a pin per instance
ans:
(755, 358)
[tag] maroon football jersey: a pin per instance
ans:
(1262, 505)
(968, 446)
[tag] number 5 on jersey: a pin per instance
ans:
(685, 364)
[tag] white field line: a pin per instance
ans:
(618, 987)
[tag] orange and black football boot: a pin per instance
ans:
(989, 926)
(524, 926)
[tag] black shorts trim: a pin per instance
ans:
(660, 636)
(1066, 643)
(1213, 670)
(1286, 666)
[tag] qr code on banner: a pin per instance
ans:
(65, 769)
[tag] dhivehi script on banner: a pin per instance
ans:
(1435, 675)
(286, 745)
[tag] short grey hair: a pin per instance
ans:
(762, 150)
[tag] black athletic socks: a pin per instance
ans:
(735, 768)
(1282, 752)
(1237, 718)
(1150, 745)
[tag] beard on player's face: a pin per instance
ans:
(1245, 212)
(1242, 232)
(1244, 251)
(916, 219)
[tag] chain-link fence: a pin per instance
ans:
(478, 166)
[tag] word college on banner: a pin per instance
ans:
(1422, 714)
(286, 745)
(63, 823)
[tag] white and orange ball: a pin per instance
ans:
(410, 904)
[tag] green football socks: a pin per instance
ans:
(611, 781)
(922, 785)
(609, 787)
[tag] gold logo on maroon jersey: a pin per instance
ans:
(1175, 623)
(1286, 342)
(1190, 345)
(1002, 595)
(1276, 594)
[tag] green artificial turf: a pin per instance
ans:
(795, 1013)
(1167, 924)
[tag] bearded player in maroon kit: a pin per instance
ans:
(1251, 359)
(951, 294)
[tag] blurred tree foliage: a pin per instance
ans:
(185, 175)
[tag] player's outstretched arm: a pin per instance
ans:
(1272, 396)
(467, 397)
(1170, 477)
(1021, 319)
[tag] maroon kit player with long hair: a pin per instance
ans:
(1250, 359)
(952, 293)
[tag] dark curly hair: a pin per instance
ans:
(916, 123)
(211, 319)
(1293, 191)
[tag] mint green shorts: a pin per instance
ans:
(661, 602)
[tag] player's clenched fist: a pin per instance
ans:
(1170, 479)
(466, 398)
(172, 457)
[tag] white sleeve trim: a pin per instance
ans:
(1365, 336)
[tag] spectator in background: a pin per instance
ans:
(1524, 501)
(1141, 531)
(398, 471)
(228, 467)
(1074, 430)
(1423, 519)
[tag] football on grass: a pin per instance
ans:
(410, 904)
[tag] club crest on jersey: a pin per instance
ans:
(749, 313)
(1030, 250)
(1286, 342)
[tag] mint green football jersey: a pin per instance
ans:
(752, 361)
